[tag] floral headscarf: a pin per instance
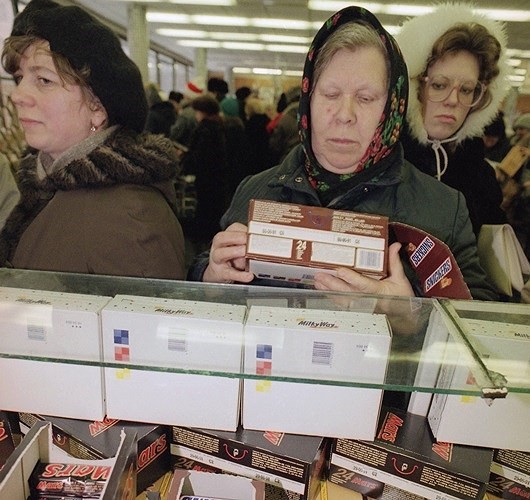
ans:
(390, 123)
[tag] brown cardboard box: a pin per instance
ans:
(37, 446)
(290, 242)
(86, 439)
(405, 455)
(288, 462)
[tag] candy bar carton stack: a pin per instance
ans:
(116, 475)
(179, 334)
(326, 347)
(7, 443)
(510, 475)
(291, 466)
(46, 325)
(404, 456)
(496, 423)
(92, 440)
(290, 242)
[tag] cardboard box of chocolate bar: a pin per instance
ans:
(510, 475)
(172, 334)
(89, 439)
(196, 485)
(504, 348)
(290, 465)
(405, 455)
(37, 446)
(7, 444)
(290, 242)
(325, 346)
(39, 329)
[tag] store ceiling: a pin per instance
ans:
(281, 12)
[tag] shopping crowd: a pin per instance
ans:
(412, 131)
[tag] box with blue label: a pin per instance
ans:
(328, 350)
(175, 361)
(51, 346)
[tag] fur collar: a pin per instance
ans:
(416, 39)
(124, 157)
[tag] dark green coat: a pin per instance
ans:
(401, 192)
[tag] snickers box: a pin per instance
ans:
(36, 447)
(91, 440)
(7, 444)
(177, 340)
(405, 455)
(510, 475)
(497, 423)
(40, 329)
(324, 346)
(290, 242)
(290, 465)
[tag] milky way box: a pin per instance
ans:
(189, 336)
(91, 440)
(324, 346)
(44, 325)
(406, 456)
(290, 242)
(291, 463)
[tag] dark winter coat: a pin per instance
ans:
(401, 192)
(101, 209)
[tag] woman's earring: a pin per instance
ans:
(93, 128)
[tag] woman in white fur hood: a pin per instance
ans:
(457, 70)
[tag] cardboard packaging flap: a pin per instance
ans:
(37, 446)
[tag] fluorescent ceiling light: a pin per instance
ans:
(207, 44)
(292, 24)
(220, 20)
(405, 10)
(291, 72)
(285, 39)
(222, 3)
(240, 37)
(416, 10)
(521, 16)
(298, 49)
(516, 78)
(167, 17)
(182, 33)
(519, 71)
(237, 69)
(242, 46)
(513, 62)
(266, 71)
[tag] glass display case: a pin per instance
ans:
(426, 334)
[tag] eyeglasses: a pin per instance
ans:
(439, 87)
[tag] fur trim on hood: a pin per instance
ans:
(416, 38)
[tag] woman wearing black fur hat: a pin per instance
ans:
(97, 196)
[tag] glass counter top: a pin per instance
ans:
(489, 340)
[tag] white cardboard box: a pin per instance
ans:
(188, 335)
(45, 324)
(197, 485)
(314, 344)
(472, 420)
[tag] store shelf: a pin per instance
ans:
(426, 334)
